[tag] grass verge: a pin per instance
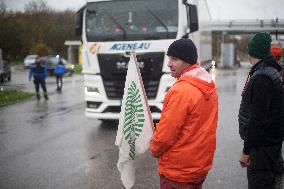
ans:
(12, 96)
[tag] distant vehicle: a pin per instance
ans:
(5, 71)
(30, 60)
(51, 61)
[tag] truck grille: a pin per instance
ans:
(114, 68)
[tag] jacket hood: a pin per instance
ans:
(269, 61)
(201, 79)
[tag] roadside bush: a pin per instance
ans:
(78, 68)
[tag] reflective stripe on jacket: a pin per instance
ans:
(185, 137)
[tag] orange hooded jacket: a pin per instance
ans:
(185, 138)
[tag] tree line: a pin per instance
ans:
(37, 30)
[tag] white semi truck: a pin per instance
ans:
(111, 29)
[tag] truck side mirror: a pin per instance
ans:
(79, 21)
(192, 17)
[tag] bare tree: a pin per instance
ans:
(3, 7)
(42, 32)
(37, 6)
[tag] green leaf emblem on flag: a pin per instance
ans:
(134, 118)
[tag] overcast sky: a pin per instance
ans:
(219, 9)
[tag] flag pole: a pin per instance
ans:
(135, 128)
(133, 54)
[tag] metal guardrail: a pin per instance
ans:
(247, 25)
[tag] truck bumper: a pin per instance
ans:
(100, 107)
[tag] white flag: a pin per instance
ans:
(135, 127)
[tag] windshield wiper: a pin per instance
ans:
(159, 20)
(119, 25)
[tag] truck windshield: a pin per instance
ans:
(124, 20)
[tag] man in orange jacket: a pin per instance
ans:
(185, 138)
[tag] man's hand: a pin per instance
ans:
(244, 160)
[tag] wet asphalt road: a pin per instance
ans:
(52, 145)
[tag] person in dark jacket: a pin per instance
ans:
(59, 70)
(261, 116)
(39, 73)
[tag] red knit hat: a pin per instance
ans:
(276, 51)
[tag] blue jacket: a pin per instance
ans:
(59, 69)
(38, 72)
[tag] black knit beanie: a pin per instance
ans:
(183, 49)
(259, 45)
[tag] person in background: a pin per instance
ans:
(261, 116)
(39, 73)
(59, 70)
(185, 137)
(276, 51)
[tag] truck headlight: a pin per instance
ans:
(92, 89)
(70, 66)
(93, 105)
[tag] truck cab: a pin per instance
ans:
(111, 29)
